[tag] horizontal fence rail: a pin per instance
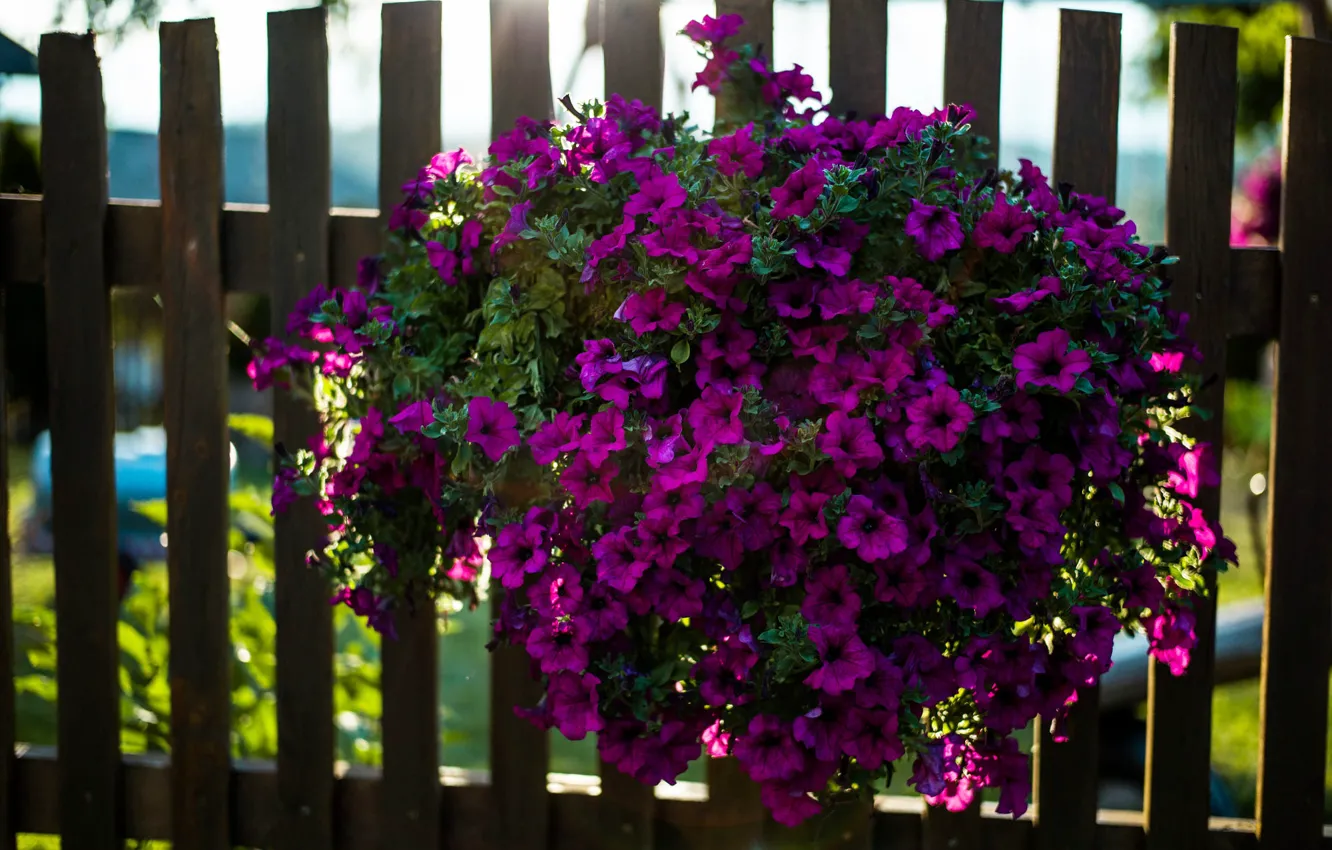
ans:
(194, 249)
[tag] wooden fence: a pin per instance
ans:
(196, 249)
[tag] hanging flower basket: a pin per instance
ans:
(817, 442)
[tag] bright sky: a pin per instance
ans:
(915, 62)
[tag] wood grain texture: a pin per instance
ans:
(198, 453)
(410, 75)
(7, 727)
(858, 56)
(945, 830)
(83, 488)
(1296, 644)
(519, 63)
(1086, 146)
(632, 50)
(299, 188)
(1202, 92)
(626, 812)
(1085, 154)
(734, 815)
(973, 46)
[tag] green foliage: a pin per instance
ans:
(1262, 56)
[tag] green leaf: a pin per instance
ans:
(680, 352)
(1117, 492)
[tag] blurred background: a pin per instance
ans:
(129, 53)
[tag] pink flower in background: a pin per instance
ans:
(492, 426)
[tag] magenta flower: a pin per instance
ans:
(939, 419)
(558, 646)
(413, 416)
(657, 196)
(618, 564)
(588, 482)
(492, 426)
(715, 417)
(605, 435)
(650, 311)
(846, 659)
(850, 442)
(1003, 226)
(519, 550)
(767, 750)
(444, 261)
(971, 585)
(1049, 362)
(804, 518)
(871, 533)
(799, 195)
(830, 598)
(935, 229)
(573, 703)
(555, 438)
(714, 30)
(827, 728)
(738, 152)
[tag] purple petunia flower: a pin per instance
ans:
(1049, 362)
(492, 426)
(850, 442)
(413, 416)
(939, 419)
(556, 437)
(738, 152)
(657, 197)
(830, 598)
(650, 311)
(804, 518)
(605, 435)
(1004, 226)
(573, 704)
(767, 750)
(799, 195)
(520, 549)
(846, 659)
(873, 534)
(588, 482)
(935, 229)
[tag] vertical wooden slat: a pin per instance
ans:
(198, 456)
(7, 729)
(945, 830)
(299, 177)
(410, 75)
(1298, 619)
(632, 51)
(973, 46)
(735, 816)
(858, 56)
(520, 62)
(625, 812)
(83, 489)
(1085, 154)
(519, 752)
(757, 30)
(1199, 172)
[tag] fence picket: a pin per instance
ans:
(632, 50)
(519, 752)
(858, 56)
(1085, 154)
(735, 816)
(973, 48)
(626, 809)
(299, 178)
(519, 63)
(83, 488)
(410, 76)
(1298, 619)
(1201, 164)
(757, 30)
(198, 459)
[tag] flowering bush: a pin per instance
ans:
(814, 442)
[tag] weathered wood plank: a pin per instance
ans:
(1296, 644)
(519, 63)
(626, 812)
(1199, 173)
(83, 424)
(973, 45)
(1255, 292)
(632, 50)
(734, 816)
(858, 56)
(944, 830)
(1085, 154)
(299, 186)
(198, 456)
(410, 75)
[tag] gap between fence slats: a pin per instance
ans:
(632, 50)
(299, 181)
(519, 63)
(519, 751)
(1085, 154)
(1177, 798)
(973, 44)
(1298, 619)
(858, 56)
(198, 456)
(410, 74)
(82, 413)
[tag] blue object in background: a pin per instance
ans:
(140, 477)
